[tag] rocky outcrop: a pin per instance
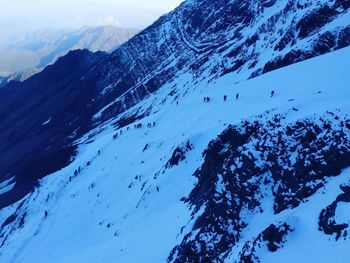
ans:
(251, 161)
(327, 220)
(179, 154)
(272, 237)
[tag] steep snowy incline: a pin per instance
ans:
(208, 39)
(199, 42)
(131, 194)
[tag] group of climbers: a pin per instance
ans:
(225, 97)
(207, 99)
(150, 125)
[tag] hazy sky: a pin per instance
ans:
(20, 16)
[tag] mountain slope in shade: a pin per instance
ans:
(41, 48)
(29, 149)
(133, 199)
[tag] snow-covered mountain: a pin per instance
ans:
(22, 54)
(183, 146)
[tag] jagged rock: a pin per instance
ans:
(327, 222)
(179, 154)
(272, 237)
(291, 159)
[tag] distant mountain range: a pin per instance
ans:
(23, 56)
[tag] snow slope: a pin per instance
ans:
(199, 41)
(125, 203)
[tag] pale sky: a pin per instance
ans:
(20, 16)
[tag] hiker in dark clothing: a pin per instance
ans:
(177, 103)
(272, 93)
(225, 98)
(237, 96)
(46, 213)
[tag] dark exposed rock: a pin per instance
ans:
(179, 154)
(9, 220)
(274, 237)
(290, 58)
(315, 20)
(268, 3)
(344, 38)
(327, 222)
(287, 39)
(326, 43)
(292, 160)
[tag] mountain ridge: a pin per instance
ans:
(43, 47)
(131, 200)
(179, 140)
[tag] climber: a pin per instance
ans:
(272, 93)
(237, 96)
(225, 97)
